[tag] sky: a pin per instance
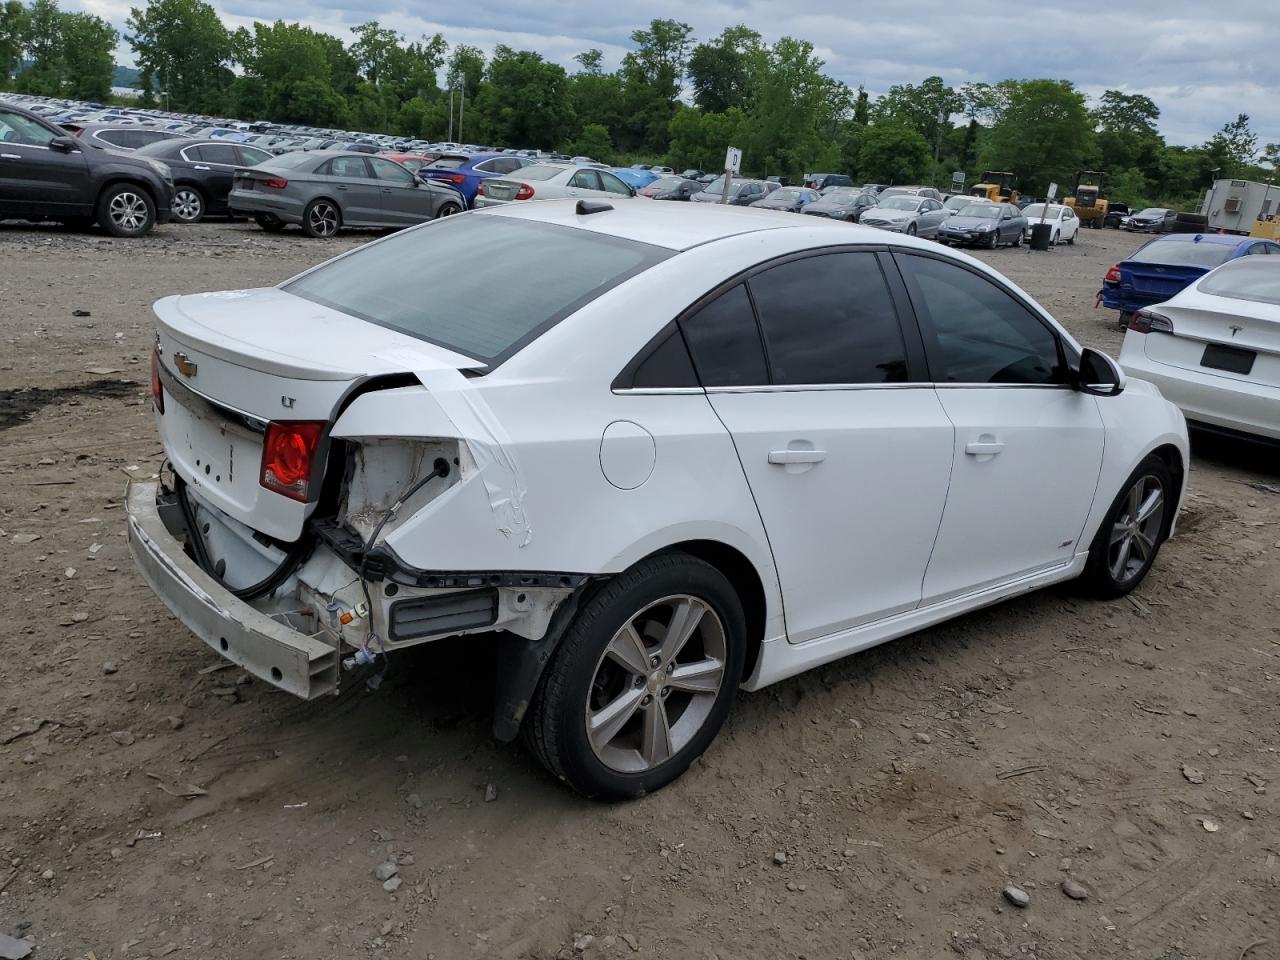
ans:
(1202, 64)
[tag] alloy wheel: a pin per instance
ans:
(655, 684)
(1135, 532)
(128, 211)
(323, 219)
(187, 204)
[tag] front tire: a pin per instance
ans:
(126, 210)
(321, 219)
(1071, 240)
(448, 209)
(188, 204)
(642, 680)
(1132, 532)
(911, 229)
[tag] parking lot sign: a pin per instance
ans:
(957, 181)
(733, 160)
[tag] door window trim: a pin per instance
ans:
(1067, 354)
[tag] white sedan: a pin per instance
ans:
(656, 453)
(1214, 348)
(1062, 219)
(552, 181)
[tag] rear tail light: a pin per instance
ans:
(1148, 321)
(525, 192)
(452, 177)
(1113, 275)
(480, 191)
(157, 389)
(275, 183)
(288, 456)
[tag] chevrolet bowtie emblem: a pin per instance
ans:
(185, 365)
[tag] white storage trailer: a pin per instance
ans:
(1236, 205)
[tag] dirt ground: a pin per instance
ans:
(875, 808)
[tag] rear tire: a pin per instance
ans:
(622, 709)
(269, 222)
(321, 219)
(188, 204)
(1132, 531)
(126, 210)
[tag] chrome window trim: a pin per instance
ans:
(217, 408)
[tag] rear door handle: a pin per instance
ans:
(198, 167)
(342, 186)
(983, 449)
(797, 456)
(9, 156)
(386, 189)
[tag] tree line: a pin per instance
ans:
(672, 98)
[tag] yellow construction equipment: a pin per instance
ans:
(996, 186)
(1088, 200)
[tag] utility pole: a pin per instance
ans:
(450, 137)
(462, 107)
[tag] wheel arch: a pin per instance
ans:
(1172, 458)
(123, 178)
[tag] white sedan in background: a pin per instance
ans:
(1214, 349)
(1062, 219)
(552, 181)
(657, 453)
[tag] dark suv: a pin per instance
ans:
(45, 174)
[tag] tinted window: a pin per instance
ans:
(829, 319)
(450, 283)
(1188, 252)
(386, 170)
(505, 165)
(667, 365)
(448, 163)
(117, 138)
(15, 128)
(224, 153)
(586, 180)
(726, 342)
(980, 333)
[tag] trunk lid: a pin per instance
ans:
(1158, 280)
(1229, 342)
(232, 362)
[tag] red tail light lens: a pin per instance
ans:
(288, 456)
(1148, 321)
(525, 192)
(480, 191)
(453, 177)
(275, 183)
(1113, 275)
(157, 389)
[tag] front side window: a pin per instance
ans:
(830, 319)
(978, 332)
(386, 170)
(586, 180)
(15, 128)
(726, 342)
(614, 185)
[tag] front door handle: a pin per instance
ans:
(797, 456)
(386, 189)
(198, 167)
(9, 156)
(983, 448)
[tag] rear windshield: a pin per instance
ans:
(292, 161)
(448, 163)
(482, 286)
(1245, 279)
(1188, 253)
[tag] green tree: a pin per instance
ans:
(1233, 147)
(1126, 124)
(699, 139)
(182, 46)
(1044, 133)
(466, 70)
(313, 101)
(720, 70)
(591, 62)
(45, 49)
(892, 153)
(596, 96)
(592, 141)
(652, 76)
(524, 100)
(927, 109)
(13, 38)
(88, 46)
(862, 107)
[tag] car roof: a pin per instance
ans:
(1226, 239)
(645, 221)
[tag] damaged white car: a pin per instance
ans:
(659, 454)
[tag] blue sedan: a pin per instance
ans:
(464, 171)
(1161, 267)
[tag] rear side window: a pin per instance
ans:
(452, 283)
(667, 365)
(224, 153)
(975, 331)
(252, 155)
(1188, 253)
(351, 167)
(725, 341)
(830, 319)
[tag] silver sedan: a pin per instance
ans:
(911, 215)
(324, 191)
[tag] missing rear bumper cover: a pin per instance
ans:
(432, 616)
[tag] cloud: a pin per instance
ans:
(1200, 65)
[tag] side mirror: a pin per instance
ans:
(631, 191)
(1099, 374)
(63, 144)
